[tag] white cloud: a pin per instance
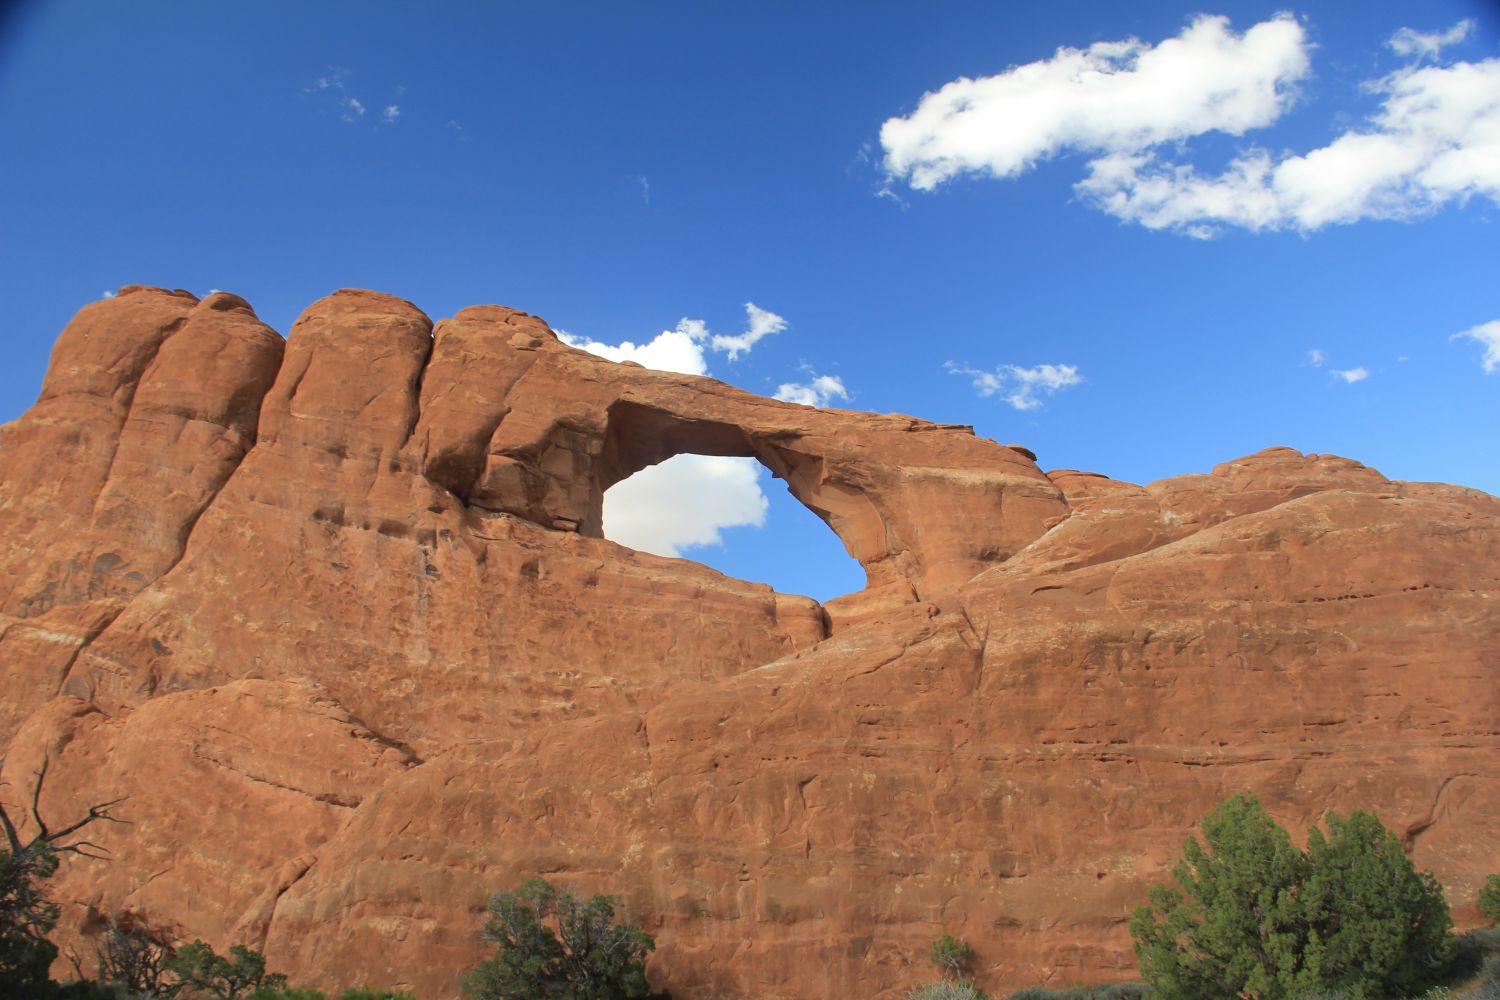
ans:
(1112, 97)
(985, 383)
(1316, 357)
(688, 500)
(107, 294)
(1350, 375)
(684, 349)
(1408, 42)
(1434, 140)
(1487, 335)
(645, 183)
(820, 390)
(685, 501)
(679, 350)
(355, 108)
(392, 112)
(760, 323)
(1020, 386)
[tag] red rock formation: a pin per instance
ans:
(342, 625)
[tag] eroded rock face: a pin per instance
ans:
(337, 616)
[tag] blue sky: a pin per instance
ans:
(1115, 233)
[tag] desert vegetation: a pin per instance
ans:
(1252, 915)
(1247, 915)
(587, 957)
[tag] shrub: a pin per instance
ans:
(1489, 899)
(1376, 927)
(947, 989)
(1113, 991)
(241, 976)
(133, 959)
(588, 957)
(951, 955)
(26, 916)
(1231, 925)
(1252, 915)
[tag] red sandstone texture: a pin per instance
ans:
(337, 616)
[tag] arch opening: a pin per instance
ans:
(733, 514)
(816, 501)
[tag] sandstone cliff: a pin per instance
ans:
(336, 614)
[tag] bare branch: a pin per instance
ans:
(47, 840)
(10, 832)
(11, 836)
(36, 799)
(74, 961)
(84, 849)
(97, 812)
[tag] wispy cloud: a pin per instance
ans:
(686, 347)
(1350, 375)
(1020, 387)
(645, 185)
(819, 390)
(1429, 45)
(1134, 107)
(761, 324)
(334, 89)
(331, 80)
(1488, 336)
(1316, 357)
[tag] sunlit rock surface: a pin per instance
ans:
(337, 616)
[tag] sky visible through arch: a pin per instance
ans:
(1140, 239)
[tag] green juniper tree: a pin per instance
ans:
(1376, 928)
(1252, 916)
(240, 976)
(587, 957)
(1232, 925)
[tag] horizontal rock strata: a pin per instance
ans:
(336, 614)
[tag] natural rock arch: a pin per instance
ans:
(922, 506)
(638, 436)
